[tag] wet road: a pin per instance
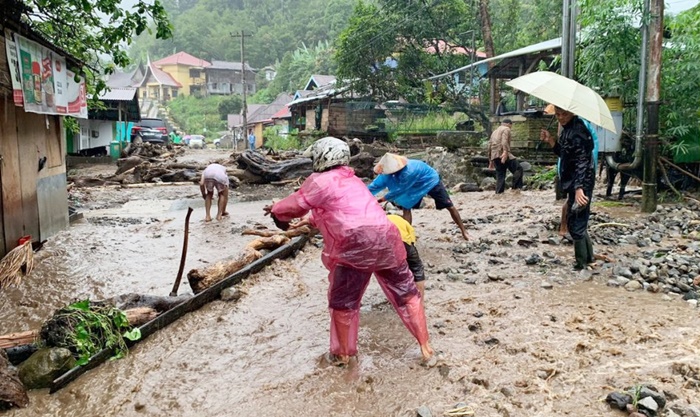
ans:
(509, 347)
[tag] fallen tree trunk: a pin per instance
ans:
(200, 280)
(278, 171)
(272, 170)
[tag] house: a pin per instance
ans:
(282, 120)
(105, 126)
(260, 116)
(337, 111)
(157, 84)
(33, 193)
(317, 81)
(270, 73)
(187, 71)
(227, 78)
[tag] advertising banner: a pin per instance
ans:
(46, 84)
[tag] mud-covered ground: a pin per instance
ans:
(515, 339)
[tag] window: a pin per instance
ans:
(174, 93)
(195, 73)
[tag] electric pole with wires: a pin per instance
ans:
(244, 110)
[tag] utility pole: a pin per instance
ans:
(244, 131)
(651, 145)
(565, 34)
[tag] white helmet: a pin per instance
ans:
(328, 152)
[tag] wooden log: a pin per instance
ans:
(125, 164)
(268, 233)
(12, 392)
(200, 280)
(272, 170)
(140, 315)
(17, 339)
(133, 300)
(272, 242)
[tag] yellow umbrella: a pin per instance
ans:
(566, 94)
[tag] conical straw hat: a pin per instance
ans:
(390, 164)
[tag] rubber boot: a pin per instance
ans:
(580, 253)
(589, 250)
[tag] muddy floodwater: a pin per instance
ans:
(509, 345)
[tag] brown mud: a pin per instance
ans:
(509, 345)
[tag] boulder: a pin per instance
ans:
(44, 366)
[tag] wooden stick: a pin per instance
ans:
(18, 339)
(663, 172)
(176, 285)
(680, 169)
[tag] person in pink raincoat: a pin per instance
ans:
(359, 240)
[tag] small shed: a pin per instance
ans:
(33, 194)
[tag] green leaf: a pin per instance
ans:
(133, 334)
(83, 305)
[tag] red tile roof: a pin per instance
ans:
(284, 113)
(164, 78)
(182, 58)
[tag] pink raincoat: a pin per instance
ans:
(358, 240)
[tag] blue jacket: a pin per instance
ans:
(407, 186)
(251, 139)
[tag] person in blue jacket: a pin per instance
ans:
(408, 181)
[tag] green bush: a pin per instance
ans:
(280, 142)
(195, 114)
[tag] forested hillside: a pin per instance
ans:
(203, 27)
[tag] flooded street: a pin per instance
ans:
(515, 339)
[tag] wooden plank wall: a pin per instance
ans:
(12, 204)
(24, 138)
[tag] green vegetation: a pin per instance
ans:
(542, 177)
(201, 116)
(86, 329)
(279, 142)
(430, 122)
(92, 29)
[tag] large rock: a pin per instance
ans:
(488, 183)
(44, 366)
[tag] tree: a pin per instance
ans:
(230, 105)
(390, 48)
(91, 29)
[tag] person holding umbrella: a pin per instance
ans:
(573, 102)
(575, 150)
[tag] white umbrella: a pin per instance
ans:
(566, 94)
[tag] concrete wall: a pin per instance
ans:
(104, 130)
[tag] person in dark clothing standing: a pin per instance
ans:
(574, 148)
(501, 159)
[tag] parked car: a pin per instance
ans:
(157, 124)
(197, 142)
(149, 135)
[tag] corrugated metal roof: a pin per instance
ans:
(119, 94)
(225, 65)
(320, 81)
(538, 47)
